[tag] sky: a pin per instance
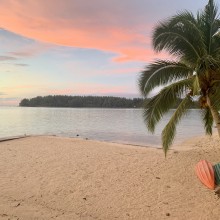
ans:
(79, 47)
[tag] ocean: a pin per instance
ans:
(112, 125)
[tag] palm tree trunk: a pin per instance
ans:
(215, 115)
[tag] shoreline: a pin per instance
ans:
(173, 147)
(9, 138)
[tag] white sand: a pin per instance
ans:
(64, 178)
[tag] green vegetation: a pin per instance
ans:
(194, 42)
(88, 102)
(82, 101)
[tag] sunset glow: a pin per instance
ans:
(72, 47)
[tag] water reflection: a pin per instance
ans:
(116, 125)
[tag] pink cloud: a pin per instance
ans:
(80, 25)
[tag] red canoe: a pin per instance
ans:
(205, 172)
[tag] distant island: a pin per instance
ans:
(82, 102)
(87, 102)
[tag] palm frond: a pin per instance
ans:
(207, 66)
(207, 120)
(215, 52)
(161, 73)
(163, 101)
(209, 24)
(169, 131)
(177, 36)
(196, 86)
(214, 95)
(189, 23)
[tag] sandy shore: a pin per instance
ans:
(64, 178)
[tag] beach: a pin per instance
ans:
(45, 177)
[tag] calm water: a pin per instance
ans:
(115, 125)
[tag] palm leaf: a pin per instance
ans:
(214, 95)
(163, 101)
(169, 131)
(189, 24)
(177, 36)
(196, 86)
(209, 24)
(161, 73)
(216, 46)
(207, 120)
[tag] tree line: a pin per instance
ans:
(88, 102)
(82, 102)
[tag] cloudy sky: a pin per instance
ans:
(78, 47)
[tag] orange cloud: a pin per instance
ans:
(141, 54)
(75, 25)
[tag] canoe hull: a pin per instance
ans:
(205, 172)
(217, 173)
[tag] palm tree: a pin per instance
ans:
(193, 74)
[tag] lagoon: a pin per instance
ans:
(112, 125)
